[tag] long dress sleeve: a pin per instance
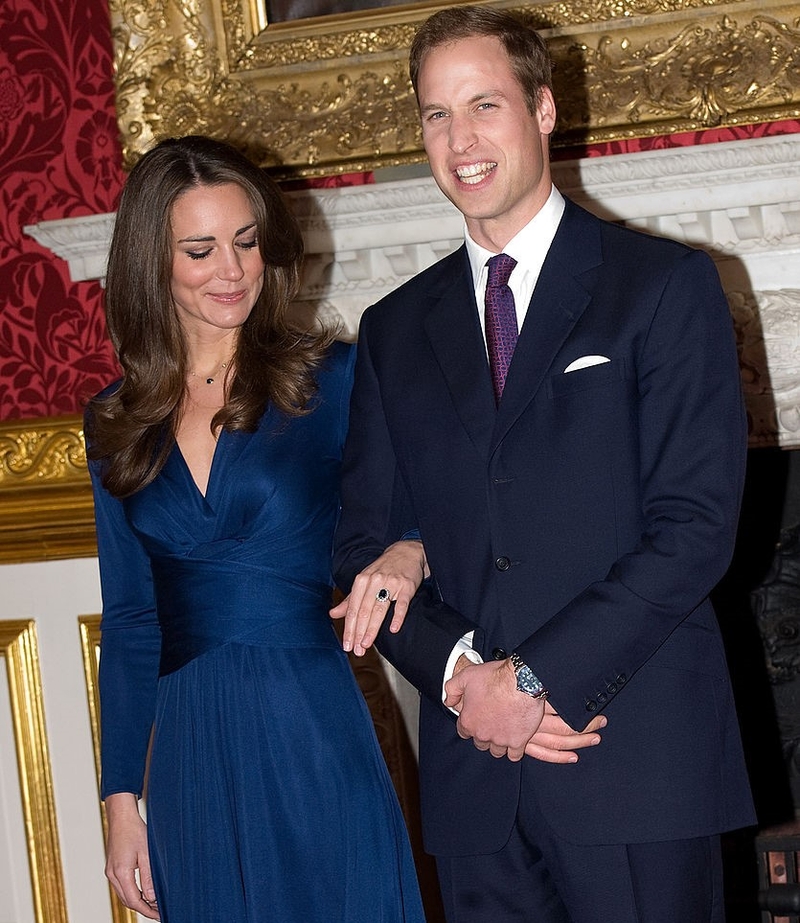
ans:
(130, 646)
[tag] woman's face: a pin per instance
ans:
(217, 269)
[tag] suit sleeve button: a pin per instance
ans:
(591, 706)
(498, 653)
(502, 563)
(612, 688)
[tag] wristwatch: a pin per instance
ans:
(527, 681)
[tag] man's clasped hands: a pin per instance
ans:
(491, 711)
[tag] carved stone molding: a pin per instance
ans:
(736, 197)
(768, 334)
(83, 242)
(331, 94)
(739, 200)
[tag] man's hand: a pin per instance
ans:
(556, 741)
(400, 570)
(492, 711)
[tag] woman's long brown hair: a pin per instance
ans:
(131, 429)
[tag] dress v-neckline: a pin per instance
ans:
(212, 467)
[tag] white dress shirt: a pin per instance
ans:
(528, 247)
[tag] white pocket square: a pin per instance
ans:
(584, 362)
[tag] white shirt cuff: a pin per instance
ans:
(463, 646)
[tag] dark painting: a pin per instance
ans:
(287, 10)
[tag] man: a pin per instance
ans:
(574, 516)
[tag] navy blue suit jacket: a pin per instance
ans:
(583, 523)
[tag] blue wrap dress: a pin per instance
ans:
(267, 795)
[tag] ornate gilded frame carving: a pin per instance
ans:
(19, 646)
(331, 94)
(46, 507)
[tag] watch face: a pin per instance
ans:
(527, 681)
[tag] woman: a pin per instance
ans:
(215, 463)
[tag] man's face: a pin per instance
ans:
(488, 153)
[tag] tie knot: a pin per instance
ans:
(500, 268)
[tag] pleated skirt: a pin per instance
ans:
(268, 798)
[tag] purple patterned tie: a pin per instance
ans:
(501, 320)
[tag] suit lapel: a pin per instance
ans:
(562, 294)
(559, 299)
(454, 332)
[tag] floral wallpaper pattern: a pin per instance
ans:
(686, 139)
(60, 157)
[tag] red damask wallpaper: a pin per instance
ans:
(686, 139)
(59, 157)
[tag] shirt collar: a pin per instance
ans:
(528, 247)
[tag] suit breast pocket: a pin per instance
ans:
(590, 378)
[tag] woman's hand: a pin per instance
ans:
(394, 577)
(127, 853)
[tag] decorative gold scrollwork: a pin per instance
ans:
(331, 94)
(46, 507)
(49, 452)
(707, 73)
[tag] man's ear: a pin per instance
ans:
(546, 111)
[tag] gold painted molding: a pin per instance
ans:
(19, 646)
(331, 94)
(89, 626)
(46, 507)
(90, 646)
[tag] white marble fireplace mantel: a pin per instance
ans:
(739, 200)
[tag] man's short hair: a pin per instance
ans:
(526, 49)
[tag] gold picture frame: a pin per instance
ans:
(19, 647)
(90, 647)
(330, 94)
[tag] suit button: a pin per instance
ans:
(591, 706)
(622, 679)
(502, 563)
(499, 654)
(612, 688)
(601, 697)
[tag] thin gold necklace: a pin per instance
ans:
(210, 380)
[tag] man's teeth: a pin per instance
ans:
(475, 172)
